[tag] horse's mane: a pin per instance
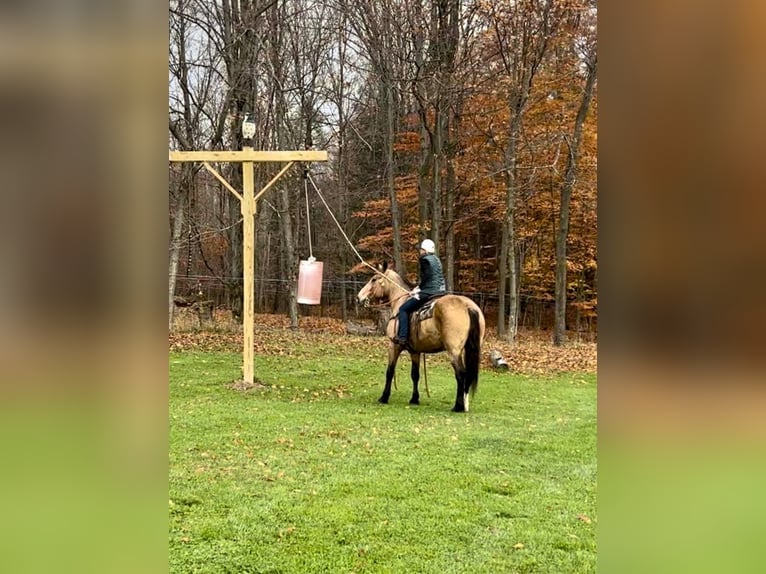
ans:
(401, 280)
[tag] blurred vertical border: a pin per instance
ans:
(83, 346)
(682, 367)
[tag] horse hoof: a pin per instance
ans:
(414, 402)
(458, 409)
(383, 401)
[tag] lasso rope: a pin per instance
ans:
(319, 193)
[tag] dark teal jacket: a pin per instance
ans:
(431, 275)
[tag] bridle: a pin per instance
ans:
(390, 301)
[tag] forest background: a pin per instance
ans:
(470, 122)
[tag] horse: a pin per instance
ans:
(457, 326)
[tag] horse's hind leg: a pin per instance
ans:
(461, 405)
(393, 356)
(415, 375)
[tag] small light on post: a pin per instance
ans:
(248, 129)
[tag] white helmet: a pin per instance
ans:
(428, 246)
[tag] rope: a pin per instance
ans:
(308, 214)
(346, 236)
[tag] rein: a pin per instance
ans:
(390, 301)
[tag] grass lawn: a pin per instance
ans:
(310, 474)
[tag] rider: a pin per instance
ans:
(431, 284)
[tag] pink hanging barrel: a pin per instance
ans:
(310, 282)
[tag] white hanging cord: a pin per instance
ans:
(319, 193)
(308, 214)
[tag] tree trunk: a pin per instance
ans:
(342, 185)
(235, 280)
(502, 276)
(436, 190)
(523, 46)
(390, 105)
(426, 154)
(513, 287)
(264, 222)
(184, 135)
(424, 180)
(508, 267)
(290, 264)
(445, 37)
(452, 144)
(449, 234)
(175, 250)
(559, 330)
(184, 138)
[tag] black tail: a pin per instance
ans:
(473, 352)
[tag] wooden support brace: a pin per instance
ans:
(220, 178)
(273, 180)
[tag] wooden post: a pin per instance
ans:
(248, 237)
(248, 208)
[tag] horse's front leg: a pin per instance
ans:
(393, 357)
(415, 375)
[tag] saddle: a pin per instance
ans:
(426, 311)
(420, 314)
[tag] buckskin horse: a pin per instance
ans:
(451, 323)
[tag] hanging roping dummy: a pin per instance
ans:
(309, 271)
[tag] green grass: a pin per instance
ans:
(312, 475)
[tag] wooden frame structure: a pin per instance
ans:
(248, 200)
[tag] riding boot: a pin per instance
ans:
(401, 338)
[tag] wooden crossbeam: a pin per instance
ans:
(248, 155)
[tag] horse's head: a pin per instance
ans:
(378, 287)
